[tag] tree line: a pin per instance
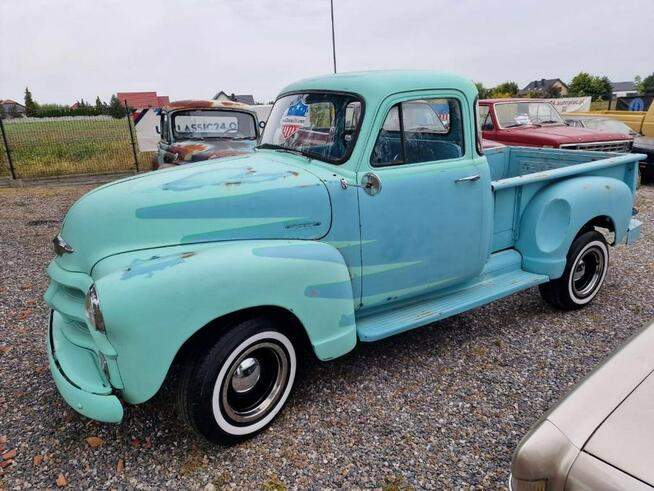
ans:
(81, 108)
(582, 85)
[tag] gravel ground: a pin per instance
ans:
(440, 407)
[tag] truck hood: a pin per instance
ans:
(262, 195)
(562, 135)
(194, 151)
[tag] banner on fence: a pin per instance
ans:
(570, 104)
(146, 122)
(634, 103)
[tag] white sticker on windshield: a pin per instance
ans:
(204, 125)
(296, 117)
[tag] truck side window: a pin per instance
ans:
(485, 120)
(422, 130)
(163, 127)
(388, 148)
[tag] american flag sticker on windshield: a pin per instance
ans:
(295, 118)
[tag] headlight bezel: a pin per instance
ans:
(92, 309)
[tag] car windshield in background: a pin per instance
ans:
(513, 114)
(610, 125)
(210, 123)
(318, 125)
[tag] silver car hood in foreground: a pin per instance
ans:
(593, 400)
(601, 435)
(626, 439)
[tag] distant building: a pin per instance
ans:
(12, 109)
(545, 87)
(140, 100)
(623, 89)
(244, 98)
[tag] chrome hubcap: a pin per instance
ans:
(588, 272)
(246, 376)
(255, 382)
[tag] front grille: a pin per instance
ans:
(622, 146)
(66, 293)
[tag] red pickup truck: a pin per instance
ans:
(537, 123)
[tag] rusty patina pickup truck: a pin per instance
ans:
(196, 130)
(369, 208)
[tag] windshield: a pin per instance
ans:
(512, 114)
(211, 123)
(611, 125)
(317, 125)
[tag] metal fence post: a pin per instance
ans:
(131, 136)
(6, 143)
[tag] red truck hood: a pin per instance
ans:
(559, 135)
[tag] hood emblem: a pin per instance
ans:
(60, 246)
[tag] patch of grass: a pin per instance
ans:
(396, 483)
(274, 484)
(70, 146)
(221, 481)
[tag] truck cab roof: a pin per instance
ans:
(378, 84)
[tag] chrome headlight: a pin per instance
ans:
(60, 246)
(92, 308)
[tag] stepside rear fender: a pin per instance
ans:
(557, 213)
(155, 300)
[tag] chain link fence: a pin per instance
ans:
(45, 147)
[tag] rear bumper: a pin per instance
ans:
(633, 231)
(81, 370)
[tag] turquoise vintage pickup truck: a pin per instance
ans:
(367, 209)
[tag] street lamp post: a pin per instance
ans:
(333, 37)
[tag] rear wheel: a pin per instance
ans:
(237, 386)
(587, 263)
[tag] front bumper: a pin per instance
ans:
(78, 377)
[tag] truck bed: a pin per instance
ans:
(518, 173)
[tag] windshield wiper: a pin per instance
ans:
(283, 149)
(550, 121)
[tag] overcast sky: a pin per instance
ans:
(65, 50)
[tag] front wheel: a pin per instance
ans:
(237, 386)
(585, 270)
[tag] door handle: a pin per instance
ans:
(469, 178)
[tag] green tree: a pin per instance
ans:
(584, 84)
(647, 85)
(484, 93)
(552, 92)
(31, 107)
(99, 106)
(116, 109)
(581, 85)
(504, 90)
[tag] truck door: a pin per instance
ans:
(427, 227)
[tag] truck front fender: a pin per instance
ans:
(556, 214)
(157, 299)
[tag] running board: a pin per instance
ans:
(494, 284)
